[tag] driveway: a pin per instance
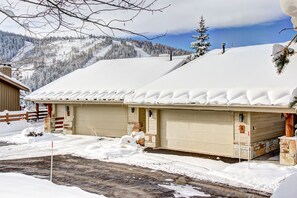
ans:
(116, 180)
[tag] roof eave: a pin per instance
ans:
(241, 108)
(15, 84)
(79, 102)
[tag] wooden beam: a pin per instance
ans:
(289, 125)
(49, 110)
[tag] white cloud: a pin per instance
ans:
(183, 15)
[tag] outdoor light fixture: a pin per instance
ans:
(132, 109)
(241, 117)
(67, 110)
(150, 113)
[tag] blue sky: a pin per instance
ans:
(262, 33)
(235, 22)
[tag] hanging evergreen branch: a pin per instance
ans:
(281, 55)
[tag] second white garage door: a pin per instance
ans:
(105, 120)
(205, 132)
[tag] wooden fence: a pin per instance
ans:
(29, 115)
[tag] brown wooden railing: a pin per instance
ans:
(59, 122)
(29, 115)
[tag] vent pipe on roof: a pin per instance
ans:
(170, 55)
(224, 47)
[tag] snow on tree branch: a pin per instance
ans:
(201, 44)
(281, 54)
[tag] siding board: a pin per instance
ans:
(9, 97)
(266, 126)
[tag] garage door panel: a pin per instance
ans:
(102, 120)
(201, 147)
(197, 131)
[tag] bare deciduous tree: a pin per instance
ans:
(40, 17)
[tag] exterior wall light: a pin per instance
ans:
(150, 113)
(241, 117)
(67, 110)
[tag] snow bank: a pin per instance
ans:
(241, 76)
(125, 147)
(264, 176)
(185, 191)
(28, 136)
(287, 188)
(13, 126)
(14, 185)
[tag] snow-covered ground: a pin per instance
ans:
(14, 185)
(261, 175)
(185, 191)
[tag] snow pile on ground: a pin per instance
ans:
(28, 136)
(185, 191)
(287, 188)
(125, 147)
(13, 126)
(14, 185)
(264, 175)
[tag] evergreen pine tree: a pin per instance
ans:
(201, 44)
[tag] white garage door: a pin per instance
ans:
(102, 120)
(206, 132)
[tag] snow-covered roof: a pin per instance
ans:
(241, 76)
(14, 82)
(110, 80)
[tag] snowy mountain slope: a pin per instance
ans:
(39, 62)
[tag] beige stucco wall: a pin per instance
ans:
(60, 110)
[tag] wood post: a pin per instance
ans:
(37, 110)
(289, 125)
(27, 116)
(49, 110)
(7, 118)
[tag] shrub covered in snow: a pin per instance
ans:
(32, 131)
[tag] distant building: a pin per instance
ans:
(9, 89)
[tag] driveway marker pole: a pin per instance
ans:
(52, 161)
